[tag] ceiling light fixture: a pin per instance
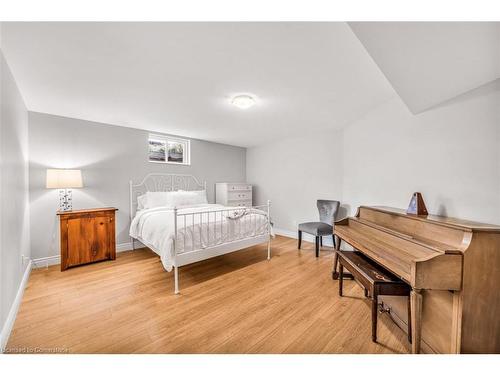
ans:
(243, 101)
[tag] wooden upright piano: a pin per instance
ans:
(453, 267)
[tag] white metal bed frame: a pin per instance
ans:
(172, 182)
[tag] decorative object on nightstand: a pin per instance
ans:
(87, 236)
(233, 194)
(64, 180)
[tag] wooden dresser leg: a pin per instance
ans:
(335, 274)
(416, 320)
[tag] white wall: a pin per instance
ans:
(450, 154)
(109, 157)
(14, 208)
(293, 173)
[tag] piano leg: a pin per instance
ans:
(416, 319)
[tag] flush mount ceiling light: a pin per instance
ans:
(243, 101)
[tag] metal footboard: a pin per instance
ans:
(206, 234)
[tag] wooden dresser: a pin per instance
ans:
(87, 236)
(233, 194)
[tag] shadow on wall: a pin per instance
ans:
(344, 211)
(442, 211)
(44, 204)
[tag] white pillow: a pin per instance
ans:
(157, 199)
(179, 198)
(142, 202)
(187, 198)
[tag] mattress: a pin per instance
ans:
(198, 227)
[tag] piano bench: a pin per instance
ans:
(376, 280)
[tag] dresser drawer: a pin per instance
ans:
(247, 203)
(239, 187)
(235, 194)
(239, 195)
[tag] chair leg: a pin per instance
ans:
(300, 238)
(374, 317)
(341, 278)
(321, 241)
(317, 246)
(409, 320)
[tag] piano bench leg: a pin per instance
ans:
(335, 274)
(374, 317)
(341, 278)
(300, 239)
(317, 246)
(409, 319)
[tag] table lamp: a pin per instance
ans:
(64, 180)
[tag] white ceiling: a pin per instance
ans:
(430, 62)
(178, 77)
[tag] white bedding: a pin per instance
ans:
(204, 227)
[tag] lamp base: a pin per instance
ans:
(65, 200)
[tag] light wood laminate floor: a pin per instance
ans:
(236, 303)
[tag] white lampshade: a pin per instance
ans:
(64, 178)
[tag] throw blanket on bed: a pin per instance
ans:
(205, 225)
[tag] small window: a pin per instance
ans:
(169, 150)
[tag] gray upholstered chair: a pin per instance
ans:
(324, 227)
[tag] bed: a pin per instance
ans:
(192, 232)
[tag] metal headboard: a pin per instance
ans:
(162, 182)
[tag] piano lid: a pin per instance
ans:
(440, 220)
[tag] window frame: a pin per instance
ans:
(186, 156)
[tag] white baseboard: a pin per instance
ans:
(56, 259)
(327, 241)
(11, 317)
